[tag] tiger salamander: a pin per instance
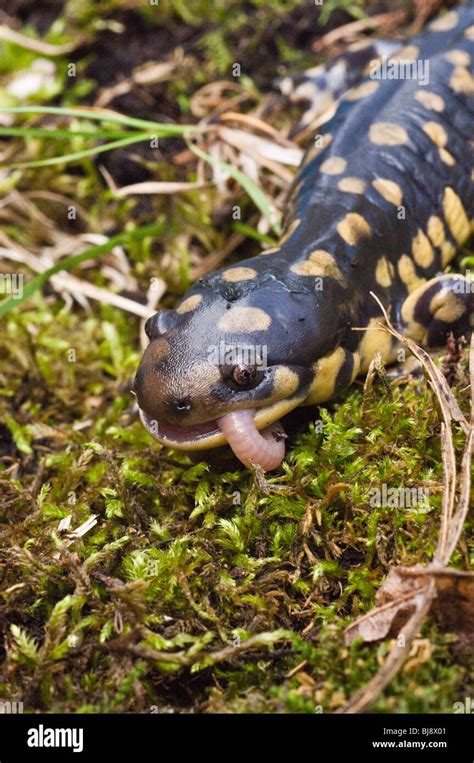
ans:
(382, 202)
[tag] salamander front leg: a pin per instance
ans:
(441, 306)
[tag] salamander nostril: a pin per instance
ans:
(182, 404)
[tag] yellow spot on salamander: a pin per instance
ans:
(357, 364)
(390, 190)
(435, 230)
(462, 81)
(413, 329)
(285, 382)
(384, 272)
(318, 146)
(374, 340)
(326, 370)
(351, 185)
(430, 100)
(446, 157)
(388, 134)
(469, 33)
(444, 23)
(458, 57)
(244, 320)
(238, 274)
(319, 263)
(448, 250)
(408, 53)
(189, 304)
(361, 91)
(335, 165)
(438, 135)
(422, 250)
(353, 227)
(408, 274)
(445, 307)
(455, 216)
(436, 132)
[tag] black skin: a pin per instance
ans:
(309, 317)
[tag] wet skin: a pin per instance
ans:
(382, 203)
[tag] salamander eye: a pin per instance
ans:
(244, 376)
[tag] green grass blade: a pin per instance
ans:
(43, 132)
(250, 232)
(80, 154)
(158, 128)
(68, 263)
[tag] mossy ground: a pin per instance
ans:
(153, 606)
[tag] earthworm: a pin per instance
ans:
(265, 449)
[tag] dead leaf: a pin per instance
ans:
(396, 601)
(452, 607)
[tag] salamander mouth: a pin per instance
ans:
(208, 434)
(182, 437)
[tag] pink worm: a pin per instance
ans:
(265, 449)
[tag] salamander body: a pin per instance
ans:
(381, 204)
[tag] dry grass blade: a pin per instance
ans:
(77, 288)
(155, 293)
(385, 21)
(471, 369)
(152, 187)
(262, 149)
(459, 516)
(449, 492)
(255, 123)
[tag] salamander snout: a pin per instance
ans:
(174, 384)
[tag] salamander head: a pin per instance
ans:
(210, 358)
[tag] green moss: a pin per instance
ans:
(176, 562)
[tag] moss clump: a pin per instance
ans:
(154, 603)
